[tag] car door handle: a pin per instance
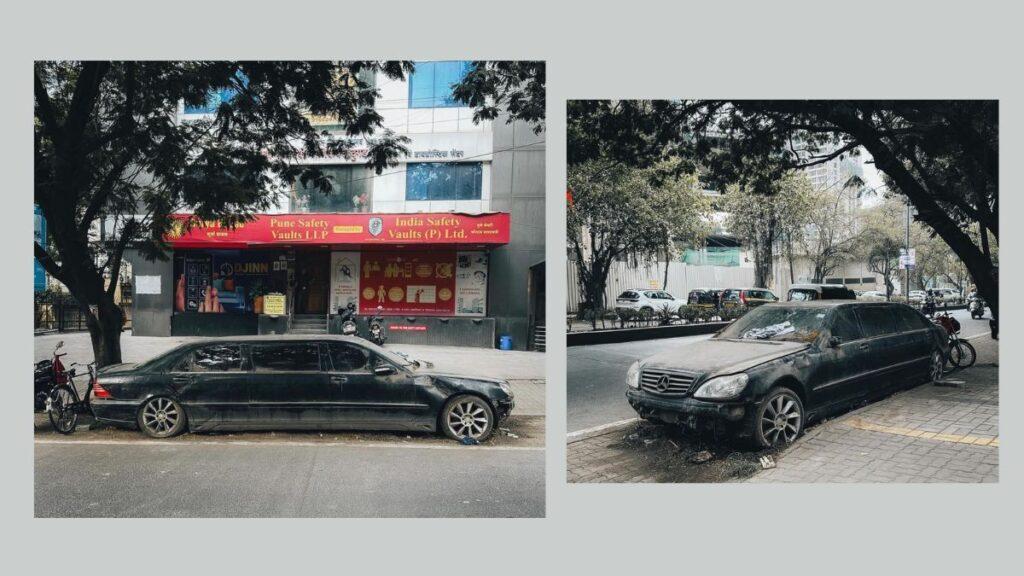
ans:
(864, 346)
(338, 379)
(182, 380)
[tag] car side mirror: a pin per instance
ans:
(384, 370)
(834, 341)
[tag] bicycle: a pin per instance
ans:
(961, 352)
(64, 404)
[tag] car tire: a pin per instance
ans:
(161, 417)
(774, 418)
(467, 415)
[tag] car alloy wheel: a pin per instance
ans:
(780, 418)
(161, 418)
(468, 416)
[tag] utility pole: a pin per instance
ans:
(906, 269)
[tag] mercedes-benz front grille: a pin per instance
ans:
(666, 382)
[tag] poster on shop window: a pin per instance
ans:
(344, 280)
(471, 284)
(407, 283)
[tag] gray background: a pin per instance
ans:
(779, 49)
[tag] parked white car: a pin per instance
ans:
(872, 296)
(949, 296)
(652, 301)
(917, 297)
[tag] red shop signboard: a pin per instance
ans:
(414, 283)
(355, 229)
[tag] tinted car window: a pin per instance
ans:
(347, 358)
(908, 320)
(844, 325)
(876, 320)
(214, 358)
(629, 294)
(286, 357)
(731, 296)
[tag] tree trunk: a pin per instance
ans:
(105, 331)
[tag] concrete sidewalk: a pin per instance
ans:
(523, 370)
(930, 433)
(945, 433)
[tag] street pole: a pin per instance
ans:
(906, 269)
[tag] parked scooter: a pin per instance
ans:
(377, 328)
(976, 306)
(48, 375)
(348, 320)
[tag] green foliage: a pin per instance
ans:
(763, 219)
(516, 88)
(618, 212)
(942, 155)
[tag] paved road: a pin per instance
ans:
(597, 374)
(203, 479)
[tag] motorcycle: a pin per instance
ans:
(928, 308)
(48, 375)
(348, 319)
(377, 328)
(976, 306)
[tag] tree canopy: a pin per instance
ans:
(942, 155)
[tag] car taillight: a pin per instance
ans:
(99, 391)
(743, 299)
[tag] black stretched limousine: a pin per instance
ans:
(291, 382)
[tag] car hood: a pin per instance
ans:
(717, 356)
(455, 376)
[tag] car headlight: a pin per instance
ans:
(722, 388)
(633, 376)
(506, 389)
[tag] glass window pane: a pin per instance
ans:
(350, 191)
(286, 357)
(876, 320)
(347, 358)
(217, 358)
(844, 325)
(421, 86)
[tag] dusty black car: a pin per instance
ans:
(305, 383)
(781, 365)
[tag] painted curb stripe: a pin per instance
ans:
(289, 443)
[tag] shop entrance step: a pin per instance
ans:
(308, 324)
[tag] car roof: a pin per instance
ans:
(266, 338)
(816, 286)
(827, 304)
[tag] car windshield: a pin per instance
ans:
(777, 323)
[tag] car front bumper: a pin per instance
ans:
(504, 408)
(688, 411)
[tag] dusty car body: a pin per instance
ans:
(295, 383)
(785, 364)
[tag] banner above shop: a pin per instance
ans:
(447, 228)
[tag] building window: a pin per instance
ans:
(430, 85)
(350, 192)
(440, 181)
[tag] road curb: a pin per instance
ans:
(611, 427)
